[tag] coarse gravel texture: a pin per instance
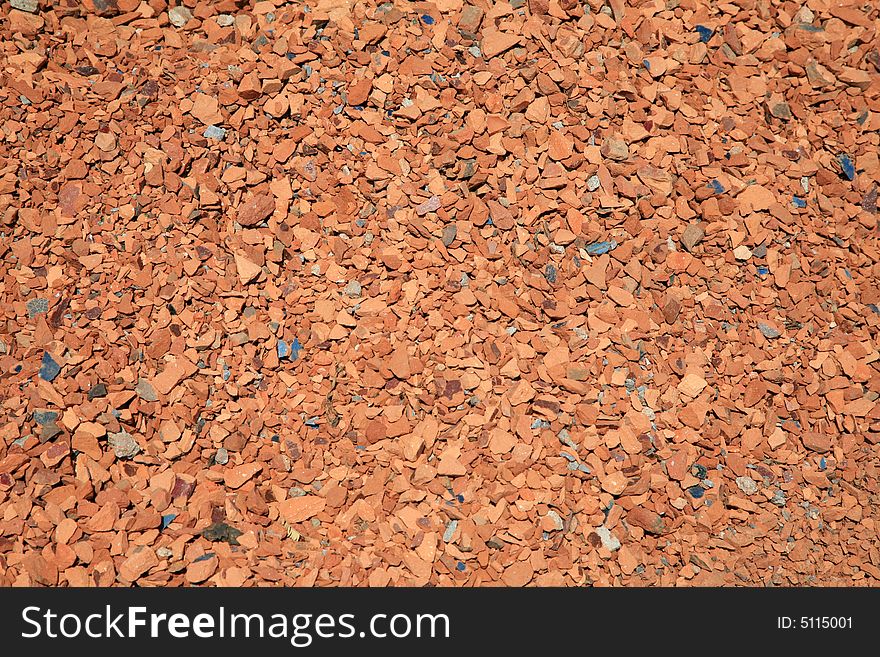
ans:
(347, 293)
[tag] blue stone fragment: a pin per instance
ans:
(705, 33)
(799, 202)
(460, 566)
(847, 166)
(550, 273)
(295, 349)
(49, 369)
(823, 463)
(427, 19)
(283, 349)
(168, 519)
(600, 248)
(214, 132)
(696, 492)
(763, 271)
(716, 186)
(45, 417)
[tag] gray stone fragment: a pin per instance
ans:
(30, 6)
(565, 438)
(768, 331)
(353, 289)
(179, 16)
(146, 391)
(123, 444)
(747, 485)
(214, 132)
(45, 417)
(37, 306)
(609, 541)
(97, 391)
(449, 233)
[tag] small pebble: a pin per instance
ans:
(37, 306)
(705, 33)
(215, 132)
(601, 248)
(449, 233)
(450, 531)
(123, 444)
(847, 166)
(742, 252)
(353, 289)
(768, 331)
(97, 391)
(146, 391)
(45, 417)
(179, 16)
(30, 6)
(609, 541)
(49, 369)
(747, 485)
(716, 186)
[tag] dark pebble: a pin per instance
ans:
(49, 369)
(97, 391)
